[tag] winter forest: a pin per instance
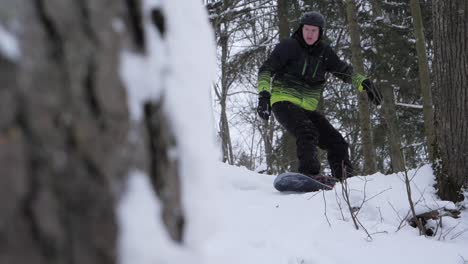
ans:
(129, 134)
(390, 41)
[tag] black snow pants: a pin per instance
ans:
(312, 129)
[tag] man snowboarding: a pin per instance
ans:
(290, 83)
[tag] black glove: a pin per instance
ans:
(264, 108)
(372, 92)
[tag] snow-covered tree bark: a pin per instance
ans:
(64, 131)
(451, 96)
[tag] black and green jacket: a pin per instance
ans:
(296, 72)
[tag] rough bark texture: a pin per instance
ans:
(424, 79)
(451, 96)
(364, 114)
(393, 132)
(64, 128)
(163, 170)
(223, 96)
(60, 134)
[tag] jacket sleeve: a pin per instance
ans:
(343, 70)
(275, 62)
(338, 67)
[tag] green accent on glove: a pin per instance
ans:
(263, 83)
(357, 81)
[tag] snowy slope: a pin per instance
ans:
(253, 223)
(260, 225)
(234, 215)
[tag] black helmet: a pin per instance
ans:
(313, 18)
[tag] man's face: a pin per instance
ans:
(310, 34)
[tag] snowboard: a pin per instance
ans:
(297, 182)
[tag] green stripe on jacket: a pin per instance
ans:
(306, 98)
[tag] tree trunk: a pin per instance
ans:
(61, 134)
(267, 136)
(424, 78)
(393, 132)
(225, 135)
(364, 114)
(289, 159)
(222, 96)
(64, 129)
(451, 96)
(389, 110)
(283, 23)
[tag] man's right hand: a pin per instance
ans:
(264, 108)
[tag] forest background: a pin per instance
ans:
(247, 31)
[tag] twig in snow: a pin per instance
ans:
(380, 213)
(325, 208)
(352, 210)
(380, 232)
(345, 194)
(338, 201)
(365, 230)
(366, 200)
(459, 234)
(402, 221)
(422, 229)
(363, 197)
(313, 195)
(449, 231)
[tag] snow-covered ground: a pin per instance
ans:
(260, 225)
(254, 223)
(234, 215)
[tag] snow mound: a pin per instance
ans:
(257, 224)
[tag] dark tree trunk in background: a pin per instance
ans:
(64, 128)
(222, 95)
(388, 107)
(288, 158)
(451, 96)
(393, 132)
(368, 147)
(283, 22)
(424, 78)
